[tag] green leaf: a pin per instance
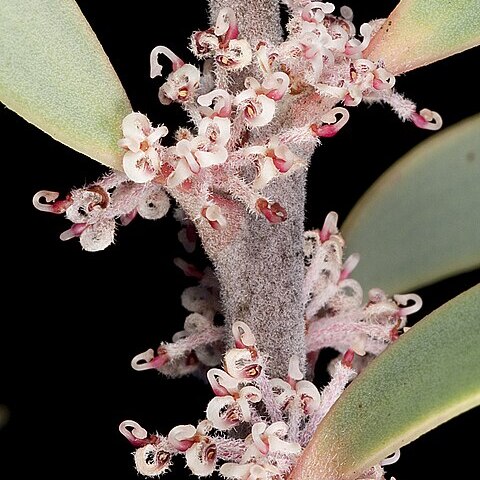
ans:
(431, 374)
(419, 32)
(420, 222)
(55, 74)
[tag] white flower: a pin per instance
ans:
(152, 460)
(275, 159)
(141, 160)
(196, 154)
(200, 449)
(268, 439)
(216, 129)
(204, 43)
(243, 362)
(306, 392)
(257, 102)
(223, 105)
(231, 405)
(180, 85)
(236, 56)
(226, 27)
(94, 237)
(314, 13)
(330, 124)
(256, 107)
(213, 214)
(354, 46)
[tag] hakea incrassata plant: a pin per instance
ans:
(258, 107)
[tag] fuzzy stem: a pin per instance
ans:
(257, 19)
(261, 277)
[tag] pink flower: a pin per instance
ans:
(427, 119)
(273, 212)
(330, 124)
(141, 160)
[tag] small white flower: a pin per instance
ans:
(223, 104)
(141, 160)
(226, 27)
(213, 214)
(180, 86)
(94, 237)
(216, 129)
(152, 460)
(276, 159)
(194, 155)
(256, 107)
(231, 405)
(314, 12)
(354, 46)
(427, 119)
(268, 439)
(204, 43)
(236, 56)
(306, 392)
(200, 449)
(330, 124)
(242, 363)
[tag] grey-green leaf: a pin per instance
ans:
(419, 32)
(431, 374)
(55, 74)
(420, 222)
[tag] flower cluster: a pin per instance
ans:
(96, 210)
(241, 141)
(281, 414)
(335, 314)
(200, 344)
(278, 417)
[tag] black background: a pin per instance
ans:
(76, 319)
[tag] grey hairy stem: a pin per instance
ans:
(261, 271)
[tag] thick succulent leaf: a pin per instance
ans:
(420, 222)
(55, 74)
(431, 374)
(419, 32)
